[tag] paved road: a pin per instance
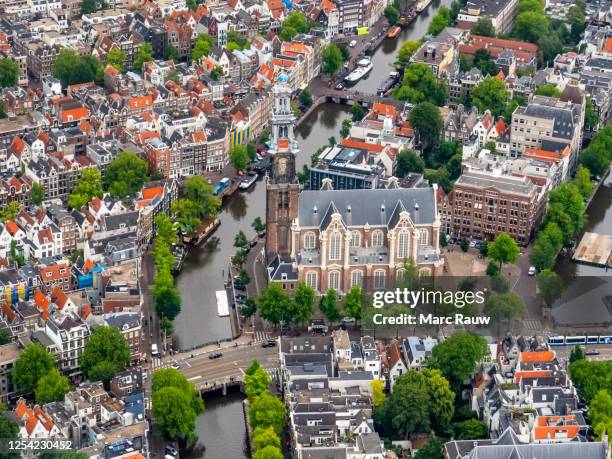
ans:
(202, 371)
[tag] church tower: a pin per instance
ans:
(282, 187)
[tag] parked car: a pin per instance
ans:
(154, 350)
(339, 86)
(215, 355)
(269, 343)
(171, 451)
(532, 271)
(353, 43)
(175, 365)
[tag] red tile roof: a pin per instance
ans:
(352, 143)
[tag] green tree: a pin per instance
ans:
(5, 336)
(529, 25)
(258, 225)
(504, 307)
(269, 452)
(431, 450)
(216, 73)
(576, 354)
(358, 112)
(88, 6)
(9, 430)
(504, 249)
(591, 376)
(440, 21)
(274, 304)
(305, 98)
(144, 53)
(173, 414)
(576, 19)
(200, 193)
(88, 186)
(484, 27)
(51, 387)
(491, 94)
(169, 377)
(421, 401)
(484, 248)
(263, 438)
(392, 14)
(549, 90)
(544, 252)
(9, 73)
(248, 308)
(287, 33)
(426, 120)
(303, 300)
(408, 48)
(167, 302)
(499, 284)
(568, 196)
(240, 240)
(471, 429)
(378, 395)
(106, 353)
(202, 45)
(346, 128)
(332, 59)
(37, 194)
(408, 161)
(484, 62)
(116, 59)
(353, 302)
(33, 363)
(329, 306)
(267, 411)
(71, 68)
(256, 383)
(172, 53)
(421, 85)
(298, 20)
(591, 120)
(239, 157)
(457, 356)
(125, 175)
(550, 45)
(10, 211)
(550, 286)
(464, 245)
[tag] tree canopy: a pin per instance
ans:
(51, 387)
(33, 363)
(440, 21)
(457, 356)
(106, 353)
(503, 249)
(426, 120)
(408, 48)
(239, 157)
(144, 53)
(484, 27)
(169, 377)
(125, 175)
(421, 85)
(88, 186)
(173, 413)
(9, 73)
(332, 59)
(72, 68)
(267, 411)
(491, 94)
(421, 402)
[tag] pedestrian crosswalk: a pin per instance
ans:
(157, 363)
(261, 336)
(533, 325)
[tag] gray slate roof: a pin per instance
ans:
(365, 206)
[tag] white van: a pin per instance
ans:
(353, 43)
(154, 350)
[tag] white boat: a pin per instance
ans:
(222, 303)
(364, 66)
(422, 5)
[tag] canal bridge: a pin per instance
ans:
(350, 97)
(219, 374)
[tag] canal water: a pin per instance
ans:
(599, 216)
(386, 55)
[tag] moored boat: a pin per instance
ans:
(393, 32)
(364, 66)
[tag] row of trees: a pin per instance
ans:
(594, 382)
(532, 25)
(35, 372)
(123, 178)
(266, 414)
(597, 156)
(176, 404)
(425, 401)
